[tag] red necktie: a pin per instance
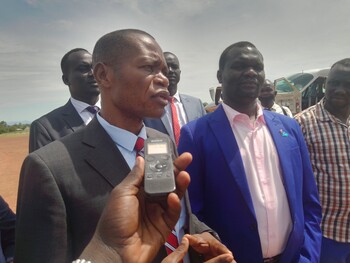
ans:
(140, 142)
(175, 121)
(171, 243)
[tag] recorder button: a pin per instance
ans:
(161, 166)
(150, 158)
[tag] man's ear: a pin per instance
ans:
(101, 74)
(65, 80)
(219, 76)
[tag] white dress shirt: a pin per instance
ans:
(181, 114)
(80, 107)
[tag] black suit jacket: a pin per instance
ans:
(54, 125)
(63, 189)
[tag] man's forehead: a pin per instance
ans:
(340, 72)
(146, 44)
(171, 59)
(244, 52)
(80, 57)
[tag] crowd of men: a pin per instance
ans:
(263, 186)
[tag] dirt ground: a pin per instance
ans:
(13, 150)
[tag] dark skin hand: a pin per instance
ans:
(140, 228)
(137, 231)
(213, 251)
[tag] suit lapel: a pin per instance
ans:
(282, 139)
(167, 126)
(229, 147)
(103, 155)
(71, 117)
(189, 111)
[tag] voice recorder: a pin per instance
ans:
(159, 178)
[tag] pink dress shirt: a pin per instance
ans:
(262, 168)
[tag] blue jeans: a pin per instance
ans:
(334, 252)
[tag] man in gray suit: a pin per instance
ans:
(77, 74)
(188, 108)
(64, 186)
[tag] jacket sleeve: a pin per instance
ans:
(7, 228)
(41, 228)
(38, 136)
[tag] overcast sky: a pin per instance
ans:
(34, 35)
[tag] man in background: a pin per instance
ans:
(326, 128)
(181, 109)
(76, 68)
(251, 177)
(267, 99)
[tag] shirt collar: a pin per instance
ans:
(233, 114)
(176, 96)
(80, 106)
(324, 115)
(120, 136)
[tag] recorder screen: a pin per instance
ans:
(157, 148)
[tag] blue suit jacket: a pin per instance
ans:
(193, 108)
(219, 191)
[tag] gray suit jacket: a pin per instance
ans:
(193, 108)
(54, 125)
(62, 191)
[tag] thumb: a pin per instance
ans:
(179, 253)
(135, 177)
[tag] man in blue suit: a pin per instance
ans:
(188, 108)
(251, 178)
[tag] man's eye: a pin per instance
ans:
(84, 69)
(237, 66)
(149, 68)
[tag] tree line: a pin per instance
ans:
(5, 128)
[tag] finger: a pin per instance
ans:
(198, 243)
(179, 253)
(181, 162)
(133, 180)
(182, 178)
(207, 245)
(173, 210)
(164, 219)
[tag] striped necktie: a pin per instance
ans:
(140, 142)
(172, 243)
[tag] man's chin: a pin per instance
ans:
(157, 114)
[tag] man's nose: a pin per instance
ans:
(161, 79)
(251, 72)
(91, 72)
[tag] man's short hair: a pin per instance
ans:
(169, 53)
(344, 62)
(224, 54)
(111, 48)
(64, 60)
